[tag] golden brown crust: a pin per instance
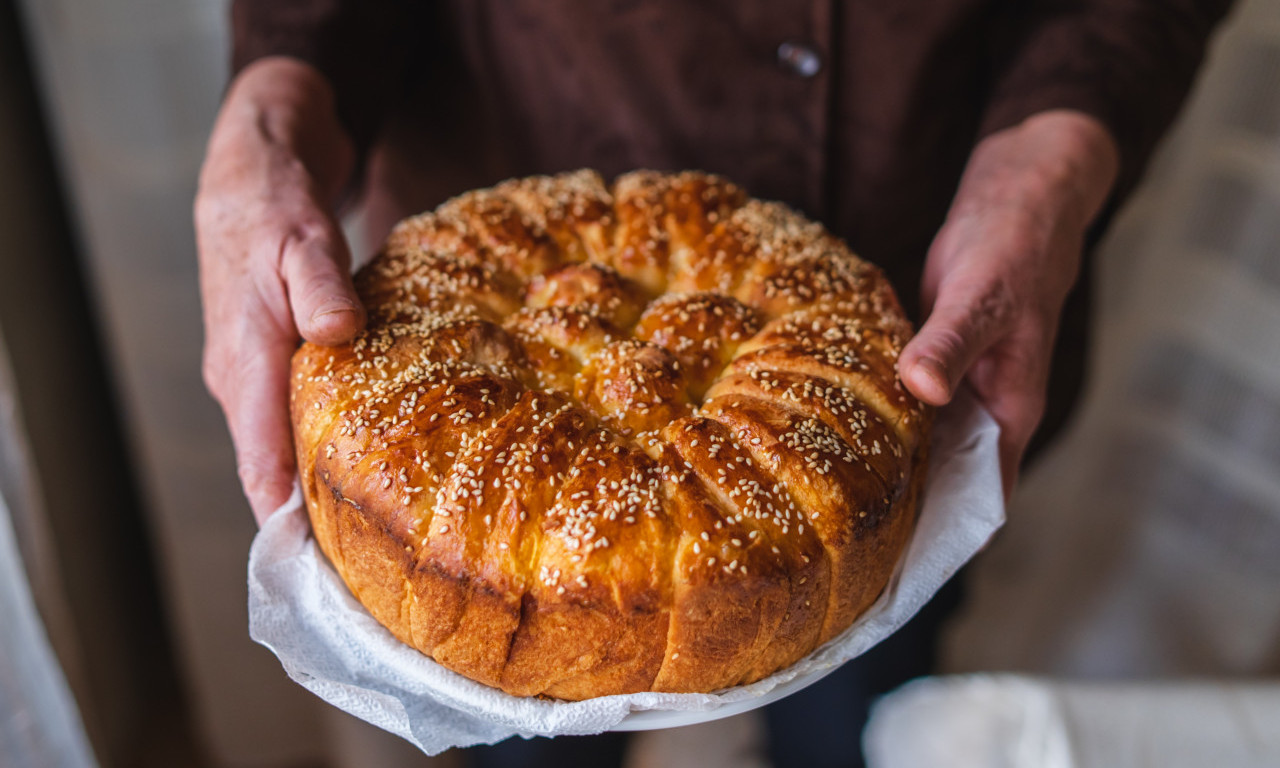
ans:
(605, 439)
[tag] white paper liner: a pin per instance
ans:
(328, 643)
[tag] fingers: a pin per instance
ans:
(250, 381)
(315, 266)
(1010, 381)
(254, 331)
(271, 270)
(968, 316)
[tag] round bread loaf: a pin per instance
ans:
(604, 439)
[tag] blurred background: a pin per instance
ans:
(1144, 547)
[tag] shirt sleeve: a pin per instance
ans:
(1128, 63)
(355, 44)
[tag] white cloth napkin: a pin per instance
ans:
(1017, 721)
(328, 643)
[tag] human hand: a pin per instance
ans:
(1000, 269)
(273, 262)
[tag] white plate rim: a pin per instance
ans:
(654, 719)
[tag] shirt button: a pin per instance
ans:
(800, 59)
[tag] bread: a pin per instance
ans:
(605, 439)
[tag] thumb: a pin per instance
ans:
(967, 318)
(315, 265)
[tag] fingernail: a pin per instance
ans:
(934, 370)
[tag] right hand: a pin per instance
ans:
(274, 265)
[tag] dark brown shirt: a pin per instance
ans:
(864, 121)
(860, 113)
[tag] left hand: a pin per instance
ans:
(1000, 269)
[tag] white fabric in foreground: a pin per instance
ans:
(1012, 721)
(327, 642)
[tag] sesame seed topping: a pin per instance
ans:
(512, 357)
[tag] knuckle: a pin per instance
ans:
(259, 471)
(312, 248)
(317, 289)
(948, 344)
(977, 315)
(309, 229)
(997, 305)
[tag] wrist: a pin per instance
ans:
(282, 95)
(1059, 164)
(286, 107)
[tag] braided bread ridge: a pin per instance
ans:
(602, 439)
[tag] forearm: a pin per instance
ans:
(1061, 163)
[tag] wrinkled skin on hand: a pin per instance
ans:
(274, 266)
(1000, 268)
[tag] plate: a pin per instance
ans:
(301, 610)
(653, 719)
